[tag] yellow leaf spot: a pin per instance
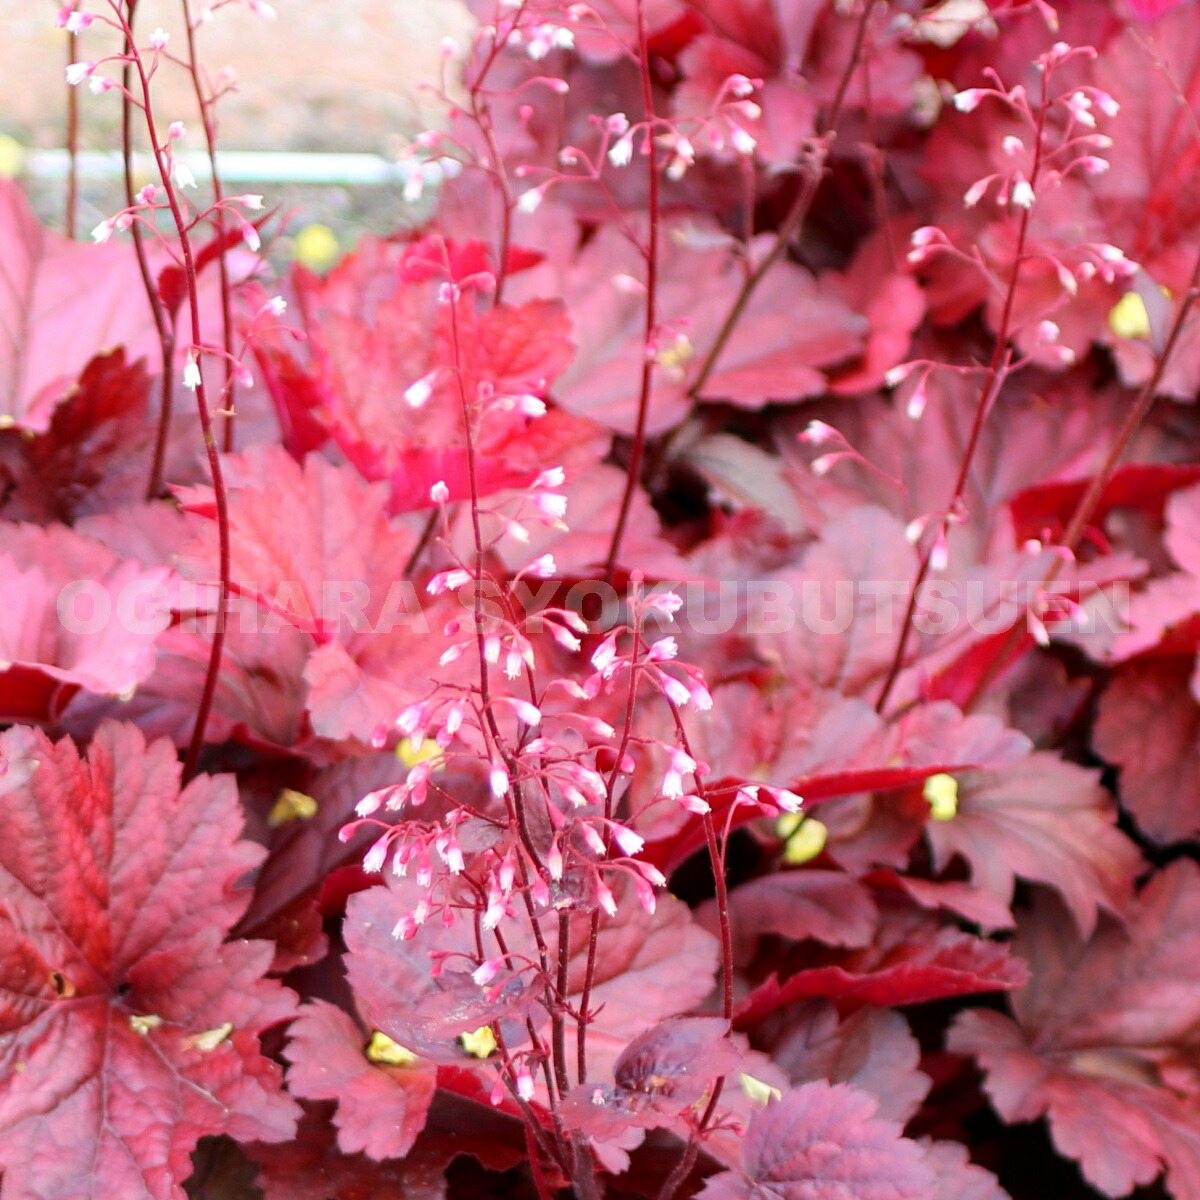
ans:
(758, 1092)
(291, 806)
(481, 1043)
(143, 1025)
(941, 793)
(675, 355)
(410, 756)
(12, 157)
(316, 247)
(787, 824)
(806, 843)
(210, 1039)
(381, 1049)
(1128, 318)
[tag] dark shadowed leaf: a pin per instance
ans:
(1104, 1038)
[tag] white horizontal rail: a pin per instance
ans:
(248, 166)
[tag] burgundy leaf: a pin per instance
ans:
(824, 1142)
(659, 1075)
(313, 1168)
(305, 851)
(381, 1108)
(873, 1049)
(648, 968)
(795, 325)
(677, 1059)
(1103, 1040)
(829, 906)
(1046, 820)
(1149, 726)
(94, 456)
(911, 966)
(130, 1028)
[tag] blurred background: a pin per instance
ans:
(322, 76)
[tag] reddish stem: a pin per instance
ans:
(220, 496)
(1090, 500)
(164, 324)
(633, 471)
(997, 373)
(716, 857)
(813, 170)
(205, 105)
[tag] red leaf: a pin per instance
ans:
(260, 694)
(957, 1177)
(873, 1049)
(381, 1108)
(1046, 820)
(312, 1168)
(824, 1142)
(1102, 1041)
(130, 1029)
(648, 968)
(911, 963)
(1162, 616)
(375, 329)
(659, 1075)
(307, 858)
(1150, 10)
(172, 279)
(1042, 511)
(338, 535)
(829, 906)
(1149, 726)
(793, 328)
(94, 456)
(677, 1058)
(107, 644)
(63, 302)
(672, 852)
(434, 258)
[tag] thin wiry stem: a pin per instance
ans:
(220, 495)
(813, 170)
(205, 105)
(633, 471)
(70, 217)
(997, 373)
(1090, 500)
(164, 324)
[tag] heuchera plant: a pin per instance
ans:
(676, 679)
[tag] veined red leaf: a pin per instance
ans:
(130, 1029)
